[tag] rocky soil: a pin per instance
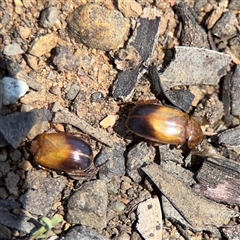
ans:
(78, 66)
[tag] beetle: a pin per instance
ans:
(164, 124)
(64, 152)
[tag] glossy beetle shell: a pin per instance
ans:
(64, 153)
(164, 125)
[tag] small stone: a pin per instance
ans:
(234, 5)
(4, 168)
(24, 32)
(43, 44)
(118, 207)
(214, 17)
(17, 222)
(84, 233)
(19, 9)
(3, 155)
(5, 233)
(13, 90)
(229, 21)
(88, 206)
(25, 165)
(97, 97)
(56, 90)
(43, 188)
(3, 193)
(10, 204)
(235, 46)
(16, 126)
(72, 93)
(11, 182)
(32, 61)
(15, 155)
(109, 121)
(12, 49)
(65, 60)
(130, 8)
(98, 27)
(116, 162)
(138, 156)
(50, 17)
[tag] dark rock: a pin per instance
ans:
(179, 98)
(15, 155)
(83, 233)
(65, 60)
(126, 82)
(235, 92)
(142, 44)
(4, 168)
(192, 34)
(230, 137)
(116, 162)
(11, 182)
(226, 98)
(72, 93)
(229, 21)
(234, 44)
(15, 127)
(9, 204)
(88, 206)
(3, 194)
(5, 233)
(139, 156)
(42, 191)
(21, 223)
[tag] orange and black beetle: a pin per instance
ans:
(63, 152)
(164, 125)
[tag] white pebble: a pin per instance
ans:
(13, 89)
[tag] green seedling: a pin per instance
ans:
(47, 225)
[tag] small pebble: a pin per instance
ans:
(3, 193)
(24, 32)
(130, 8)
(65, 60)
(43, 44)
(4, 168)
(118, 207)
(5, 233)
(97, 97)
(3, 155)
(72, 93)
(229, 21)
(13, 90)
(11, 182)
(109, 121)
(98, 27)
(25, 165)
(56, 90)
(49, 18)
(15, 155)
(12, 49)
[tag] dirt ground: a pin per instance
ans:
(72, 71)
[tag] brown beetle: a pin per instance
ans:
(164, 125)
(64, 152)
